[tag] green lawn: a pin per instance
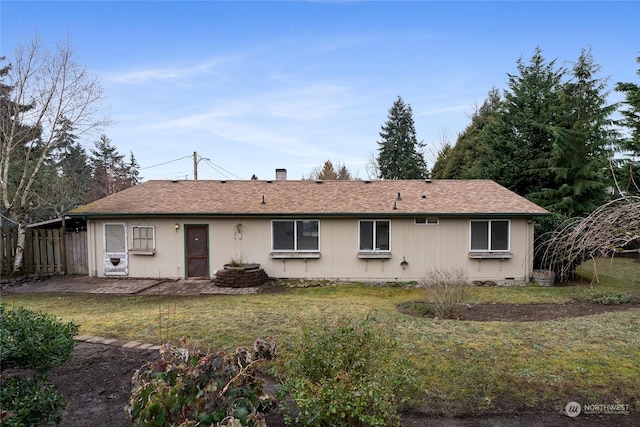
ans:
(464, 366)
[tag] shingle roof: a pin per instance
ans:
(288, 197)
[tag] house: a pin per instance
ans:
(343, 230)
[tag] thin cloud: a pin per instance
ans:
(179, 73)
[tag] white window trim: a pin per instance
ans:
(364, 252)
(143, 251)
(435, 219)
(490, 250)
(280, 252)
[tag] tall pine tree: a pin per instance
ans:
(576, 172)
(399, 151)
(630, 166)
(463, 160)
(520, 135)
(110, 172)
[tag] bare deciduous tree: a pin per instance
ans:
(43, 91)
(605, 232)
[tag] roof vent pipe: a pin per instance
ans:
(398, 198)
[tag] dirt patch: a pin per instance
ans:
(97, 383)
(519, 312)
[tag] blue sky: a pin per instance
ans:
(255, 86)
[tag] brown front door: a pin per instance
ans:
(197, 253)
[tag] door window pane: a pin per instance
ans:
(115, 241)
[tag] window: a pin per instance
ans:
(427, 220)
(295, 235)
(143, 238)
(374, 235)
(115, 238)
(490, 235)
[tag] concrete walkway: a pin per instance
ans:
(130, 287)
(118, 343)
(143, 287)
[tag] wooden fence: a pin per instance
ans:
(46, 251)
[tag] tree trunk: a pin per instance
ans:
(18, 262)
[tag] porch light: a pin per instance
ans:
(176, 226)
(404, 264)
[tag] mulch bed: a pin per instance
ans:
(524, 312)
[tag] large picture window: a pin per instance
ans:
(490, 235)
(374, 235)
(296, 235)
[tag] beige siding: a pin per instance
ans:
(424, 247)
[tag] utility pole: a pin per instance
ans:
(195, 166)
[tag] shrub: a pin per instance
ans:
(30, 402)
(446, 290)
(34, 340)
(350, 374)
(606, 296)
(187, 387)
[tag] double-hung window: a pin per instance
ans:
(143, 238)
(374, 235)
(295, 235)
(490, 235)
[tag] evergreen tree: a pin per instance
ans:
(441, 165)
(76, 170)
(110, 174)
(328, 172)
(133, 171)
(399, 155)
(576, 172)
(630, 166)
(521, 132)
(65, 174)
(463, 160)
(344, 174)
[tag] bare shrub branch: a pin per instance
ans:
(446, 289)
(605, 232)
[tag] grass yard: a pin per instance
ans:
(465, 367)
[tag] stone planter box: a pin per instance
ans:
(243, 276)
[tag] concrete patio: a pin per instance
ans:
(116, 286)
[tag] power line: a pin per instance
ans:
(219, 169)
(166, 163)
